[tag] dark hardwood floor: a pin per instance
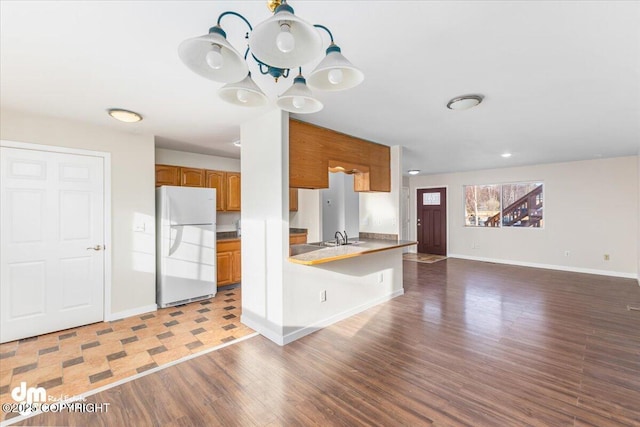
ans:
(469, 343)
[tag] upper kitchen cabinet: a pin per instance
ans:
(232, 202)
(227, 184)
(191, 177)
(217, 180)
(313, 151)
(293, 200)
(167, 175)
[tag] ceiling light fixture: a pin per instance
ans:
(413, 171)
(277, 45)
(464, 102)
(124, 115)
(506, 155)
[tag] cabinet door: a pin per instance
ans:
(216, 179)
(297, 239)
(237, 267)
(191, 177)
(167, 175)
(225, 262)
(293, 200)
(233, 191)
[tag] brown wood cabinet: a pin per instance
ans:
(297, 239)
(217, 180)
(227, 184)
(232, 202)
(293, 200)
(167, 175)
(229, 268)
(191, 177)
(313, 150)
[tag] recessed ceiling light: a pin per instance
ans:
(237, 143)
(464, 102)
(124, 115)
(413, 171)
(506, 155)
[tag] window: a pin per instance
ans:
(482, 204)
(504, 205)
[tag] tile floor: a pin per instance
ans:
(78, 360)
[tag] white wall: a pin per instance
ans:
(380, 212)
(340, 207)
(590, 209)
(309, 214)
(195, 160)
(133, 287)
(225, 221)
(638, 215)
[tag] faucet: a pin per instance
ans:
(338, 238)
(346, 238)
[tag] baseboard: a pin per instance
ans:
(258, 325)
(292, 336)
(131, 312)
(548, 266)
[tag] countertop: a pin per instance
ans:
(308, 254)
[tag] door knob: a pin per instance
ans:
(96, 248)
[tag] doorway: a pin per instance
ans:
(53, 217)
(432, 221)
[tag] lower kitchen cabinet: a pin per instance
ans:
(229, 262)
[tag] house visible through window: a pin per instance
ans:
(504, 205)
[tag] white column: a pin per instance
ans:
(265, 221)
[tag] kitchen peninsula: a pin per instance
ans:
(283, 299)
(319, 253)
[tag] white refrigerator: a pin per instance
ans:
(186, 244)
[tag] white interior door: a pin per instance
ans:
(51, 241)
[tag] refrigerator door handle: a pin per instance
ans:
(174, 246)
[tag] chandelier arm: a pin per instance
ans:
(230, 12)
(326, 29)
(285, 74)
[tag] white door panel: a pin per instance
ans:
(52, 210)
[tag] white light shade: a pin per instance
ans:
(193, 52)
(250, 94)
(299, 99)
(262, 40)
(351, 76)
(124, 115)
(464, 102)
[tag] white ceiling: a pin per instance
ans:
(561, 80)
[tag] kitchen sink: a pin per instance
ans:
(332, 243)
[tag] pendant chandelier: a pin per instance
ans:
(277, 45)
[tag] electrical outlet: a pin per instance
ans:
(566, 253)
(323, 296)
(606, 257)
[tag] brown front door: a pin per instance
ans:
(432, 221)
